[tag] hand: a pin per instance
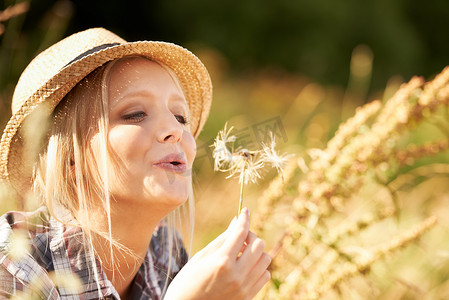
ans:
(233, 266)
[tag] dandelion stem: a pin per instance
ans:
(242, 184)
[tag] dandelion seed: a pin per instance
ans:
(222, 156)
(270, 155)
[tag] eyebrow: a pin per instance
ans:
(145, 93)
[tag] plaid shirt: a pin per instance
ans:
(40, 258)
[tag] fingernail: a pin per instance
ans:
(245, 210)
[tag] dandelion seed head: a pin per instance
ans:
(245, 153)
(222, 155)
(243, 163)
(270, 155)
(224, 136)
(245, 166)
(278, 161)
(251, 172)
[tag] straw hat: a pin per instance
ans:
(54, 72)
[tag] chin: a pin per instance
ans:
(175, 201)
(172, 193)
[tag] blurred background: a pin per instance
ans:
(300, 66)
(286, 42)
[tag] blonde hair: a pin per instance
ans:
(68, 176)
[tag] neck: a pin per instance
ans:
(133, 229)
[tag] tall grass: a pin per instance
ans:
(362, 210)
(347, 207)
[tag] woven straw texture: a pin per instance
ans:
(54, 72)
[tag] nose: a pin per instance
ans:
(170, 130)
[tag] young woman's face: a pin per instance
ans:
(150, 144)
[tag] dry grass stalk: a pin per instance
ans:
(435, 91)
(367, 145)
(324, 252)
(350, 269)
(11, 12)
(424, 171)
(373, 146)
(345, 132)
(413, 152)
(321, 160)
(351, 228)
(362, 151)
(14, 11)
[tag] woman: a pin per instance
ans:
(103, 132)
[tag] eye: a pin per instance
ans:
(181, 119)
(134, 116)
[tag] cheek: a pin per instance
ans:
(126, 142)
(189, 146)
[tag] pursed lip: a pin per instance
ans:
(173, 162)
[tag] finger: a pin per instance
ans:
(252, 251)
(262, 280)
(247, 241)
(260, 274)
(245, 244)
(237, 235)
(219, 240)
(231, 226)
(262, 265)
(251, 263)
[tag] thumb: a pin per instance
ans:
(238, 233)
(219, 240)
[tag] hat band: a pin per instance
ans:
(90, 51)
